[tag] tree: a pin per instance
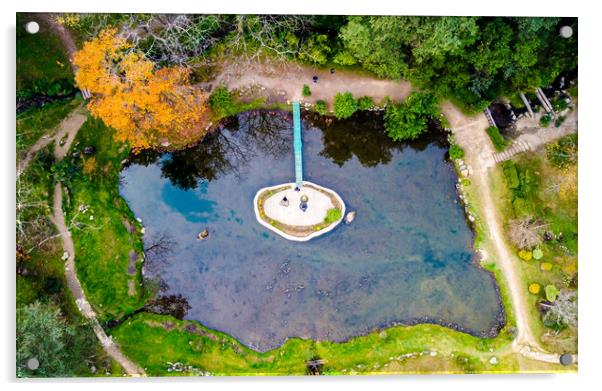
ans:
(344, 105)
(563, 311)
(61, 349)
(526, 233)
(409, 119)
(147, 107)
(316, 49)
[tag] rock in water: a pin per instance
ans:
(204, 234)
(349, 217)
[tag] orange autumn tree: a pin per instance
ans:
(147, 107)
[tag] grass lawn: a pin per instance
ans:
(103, 245)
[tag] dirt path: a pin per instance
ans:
(284, 81)
(78, 293)
(469, 133)
(65, 134)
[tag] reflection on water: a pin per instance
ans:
(406, 258)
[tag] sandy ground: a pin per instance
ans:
(318, 204)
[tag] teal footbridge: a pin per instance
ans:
(298, 145)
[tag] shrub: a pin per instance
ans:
(409, 119)
(525, 255)
(551, 293)
(321, 107)
(221, 102)
(306, 90)
(499, 142)
(534, 288)
(545, 120)
(537, 254)
(564, 152)
(545, 266)
(559, 121)
(332, 215)
(344, 105)
(365, 103)
(456, 152)
(559, 104)
(510, 174)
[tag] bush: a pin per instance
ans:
(545, 266)
(559, 121)
(510, 174)
(559, 104)
(321, 107)
(332, 215)
(409, 119)
(456, 152)
(551, 293)
(365, 103)
(545, 120)
(525, 255)
(534, 288)
(499, 142)
(306, 90)
(344, 105)
(564, 152)
(221, 102)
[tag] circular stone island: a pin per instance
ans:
(301, 214)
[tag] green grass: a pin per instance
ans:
(498, 141)
(35, 122)
(102, 248)
(332, 215)
(42, 65)
(153, 340)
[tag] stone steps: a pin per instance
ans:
(516, 148)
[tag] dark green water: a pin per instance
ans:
(407, 258)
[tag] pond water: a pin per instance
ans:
(407, 258)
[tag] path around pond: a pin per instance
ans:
(469, 133)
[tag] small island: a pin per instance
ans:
(298, 214)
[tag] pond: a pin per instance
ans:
(407, 258)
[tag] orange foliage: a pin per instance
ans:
(146, 107)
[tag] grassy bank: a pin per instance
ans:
(108, 246)
(154, 340)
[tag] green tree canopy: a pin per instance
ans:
(409, 119)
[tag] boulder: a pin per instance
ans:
(204, 234)
(349, 217)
